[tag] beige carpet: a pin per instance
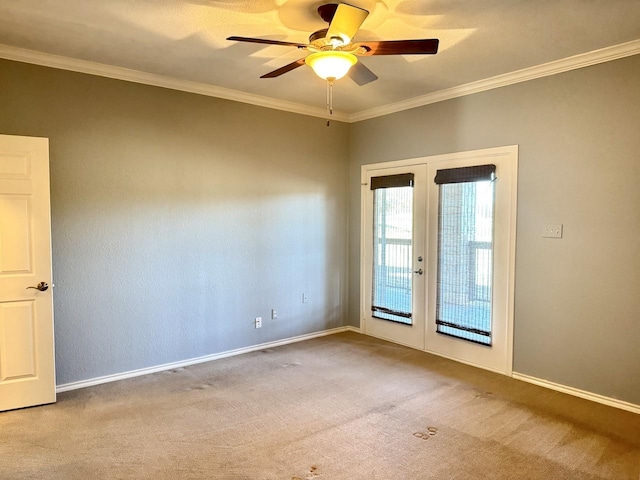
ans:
(340, 407)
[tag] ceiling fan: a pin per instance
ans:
(334, 55)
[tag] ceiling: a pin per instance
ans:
(186, 40)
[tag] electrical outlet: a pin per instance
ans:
(552, 230)
(258, 322)
(305, 298)
(274, 314)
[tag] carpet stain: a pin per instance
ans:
(313, 473)
(431, 431)
(292, 364)
(485, 395)
(175, 370)
(383, 408)
(201, 386)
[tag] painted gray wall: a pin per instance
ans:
(577, 305)
(178, 218)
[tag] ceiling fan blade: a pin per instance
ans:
(266, 41)
(360, 74)
(401, 47)
(285, 69)
(346, 22)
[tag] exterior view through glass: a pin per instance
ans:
(392, 254)
(465, 260)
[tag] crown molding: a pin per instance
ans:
(547, 69)
(93, 68)
(119, 73)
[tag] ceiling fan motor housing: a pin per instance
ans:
(327, 11)
(319, 35)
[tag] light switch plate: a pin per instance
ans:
(552, 230)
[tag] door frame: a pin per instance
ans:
(506, 153)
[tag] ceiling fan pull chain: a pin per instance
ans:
(330, 97)
(329, 101)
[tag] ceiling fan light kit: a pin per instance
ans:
(332, 52)
(332, 64)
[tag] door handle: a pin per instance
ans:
(42, 286)
(419, 271)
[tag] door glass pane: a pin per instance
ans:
(392, 254)
(465, 260)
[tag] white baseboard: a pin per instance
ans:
(612, 402)
(193, 361)
(594, 397)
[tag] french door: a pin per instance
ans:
(438, 243)
(395, 257)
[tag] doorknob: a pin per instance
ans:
(419, 271)
(42, 286)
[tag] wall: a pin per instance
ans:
(577, 313)
(178, 218)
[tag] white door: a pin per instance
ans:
(463, 240)
(27, 373)
(394, 265)
(471, 243)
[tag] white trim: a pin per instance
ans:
(476, 365)
(405, 162)
(575, 62)
(349, 328)
(194, 361)
(136, 76)
(594, 397)
(431, 352)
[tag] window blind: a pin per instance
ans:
(392, 181)
(476, 173)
